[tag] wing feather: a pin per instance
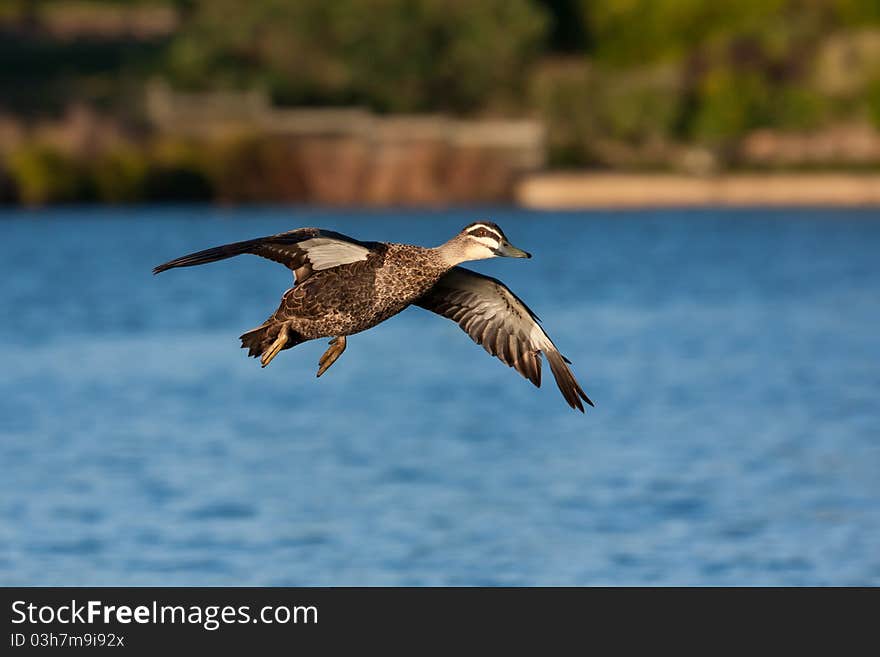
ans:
(504, 326)
(303, 251)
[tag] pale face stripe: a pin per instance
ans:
(489, 242)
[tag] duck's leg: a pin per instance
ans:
(275, 347)
(337, 346)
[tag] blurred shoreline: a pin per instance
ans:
(588, 190)
(239, 149)
(565, 190)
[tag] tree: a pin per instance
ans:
(395, 55)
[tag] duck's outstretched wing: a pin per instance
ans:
(505, 326)
(303, 251)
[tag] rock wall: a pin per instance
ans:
(350, 156)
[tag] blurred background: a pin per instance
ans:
(429, 101)
(698, 183)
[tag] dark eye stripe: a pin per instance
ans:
(484, 232)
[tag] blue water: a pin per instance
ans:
(734, 357)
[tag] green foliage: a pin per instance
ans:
(728, 104)
(179, 170)
(120, 175)
(563, 97)
(638, 75)
(7, 187)
(176, 183)
(43, 174)
(583, 105)
(873, 102)
(628, 32)
(396, 55)
(797, 107)
(639, 105)
(857, 12)
(37, 174)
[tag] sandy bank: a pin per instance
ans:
(596, 190)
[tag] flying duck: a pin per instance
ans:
(343, 286)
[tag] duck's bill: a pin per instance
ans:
(508, 250)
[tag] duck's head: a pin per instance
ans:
(481, 240)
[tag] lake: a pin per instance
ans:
(733, 355)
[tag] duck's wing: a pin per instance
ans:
(505, 326)
(303, 251)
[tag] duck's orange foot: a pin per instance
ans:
(337, 346)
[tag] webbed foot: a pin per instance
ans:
(337, 346)
(275, 347)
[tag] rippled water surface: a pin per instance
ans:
(734, 357)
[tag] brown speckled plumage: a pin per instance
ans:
(344, 286)
(353, 297)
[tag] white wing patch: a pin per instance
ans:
(325, 253)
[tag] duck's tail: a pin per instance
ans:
(259, 340)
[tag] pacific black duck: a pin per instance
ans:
(344, 286)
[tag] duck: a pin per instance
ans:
(343, 286)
